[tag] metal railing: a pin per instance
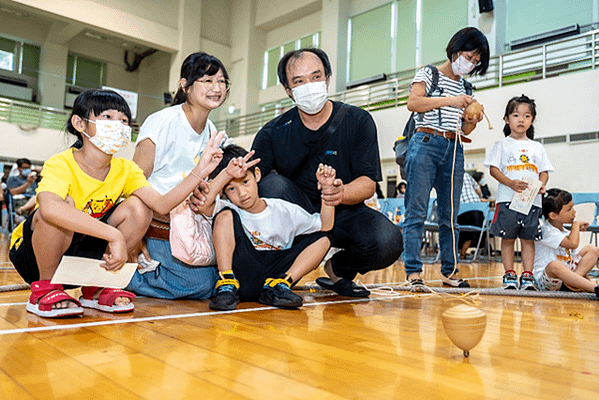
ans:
(31, 116)
(539, 62)
(564, 56)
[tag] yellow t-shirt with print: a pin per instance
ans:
(62, 175)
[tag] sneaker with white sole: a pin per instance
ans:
(417, 285)
(454, 282)
(510, 280)
(527, 281)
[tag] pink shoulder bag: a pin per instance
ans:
(191, 236)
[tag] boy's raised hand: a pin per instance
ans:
(325, 175)
(212, 154)
(238, 166)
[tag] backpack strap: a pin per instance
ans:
(322, 140)
(468, 87)
(434, 86)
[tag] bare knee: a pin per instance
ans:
(555, 269)
(132, 210)
(591, 249)
(223, 219)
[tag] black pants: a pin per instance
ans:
(252, 267)
(368, 239)
(472, 218)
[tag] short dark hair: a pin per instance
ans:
(554, 200)
(512, 105)
(470, 39)
(477, 176)
(22, 161)
(294, 55)
(230, 152)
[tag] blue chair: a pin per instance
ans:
(585, 198)
(483, 230)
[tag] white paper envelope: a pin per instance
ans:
(522, 202)
(87, 272)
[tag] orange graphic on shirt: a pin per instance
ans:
(259, 244)
(523, 167)
(97, 208)
(565, 259)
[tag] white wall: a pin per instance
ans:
(39, 144)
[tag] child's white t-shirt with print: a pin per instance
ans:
(549, 249)
(277, 226)
(516, 159)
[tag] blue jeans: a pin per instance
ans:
(173, 279)
(429, 165)
(369, 240)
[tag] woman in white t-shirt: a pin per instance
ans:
(169, 143)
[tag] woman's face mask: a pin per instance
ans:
(310, 97)
(111, 135)
(461, 66)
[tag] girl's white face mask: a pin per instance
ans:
(461, 66)
(111, 135)
(310, 97)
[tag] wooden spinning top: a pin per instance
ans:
(465, 325)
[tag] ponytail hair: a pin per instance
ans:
(512, 105)
(195, 66)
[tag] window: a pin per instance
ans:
(7, 54)
(21, 58)
(402, 35)
(371, 37)
(85, 73)
(272, 56)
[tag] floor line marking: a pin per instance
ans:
(192, 315)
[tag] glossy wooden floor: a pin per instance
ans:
(384, 347)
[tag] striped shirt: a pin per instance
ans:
(450, 116)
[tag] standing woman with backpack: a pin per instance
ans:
(435, 157)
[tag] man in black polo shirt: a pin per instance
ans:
(317, 131)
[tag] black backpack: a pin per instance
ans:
(401, 144)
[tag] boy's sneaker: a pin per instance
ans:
(278, 293)
(597, 290)
(226, 297)
(527, 281)
(510, 280)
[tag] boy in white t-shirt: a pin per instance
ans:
(254, 238)
(558, 266)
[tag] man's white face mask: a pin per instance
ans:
(310, 97)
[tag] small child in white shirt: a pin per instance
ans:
(558, 266)
(263, 246)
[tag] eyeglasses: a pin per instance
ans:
(470, 57)
(210, 84)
